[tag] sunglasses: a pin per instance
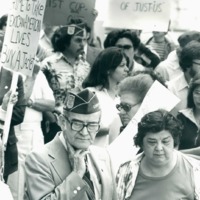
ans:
(125, 106)
(126, 47)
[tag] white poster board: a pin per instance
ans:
(22, 35)
(122, 148)
(148, 15)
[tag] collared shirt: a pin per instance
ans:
(92, 169)
(179, 87)
(70, 77)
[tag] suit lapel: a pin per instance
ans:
(100, 162)
(59, 159)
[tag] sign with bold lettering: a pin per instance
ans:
(149, 15)
(59, 12)
(22, 35)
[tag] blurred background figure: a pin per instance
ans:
(161, 44)
(190, 117)
(170, 68)
(108, 70)
(146, 57)
(190, 64)
(3, 24)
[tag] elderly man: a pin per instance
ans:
(69, 167)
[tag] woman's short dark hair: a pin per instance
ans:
(140, 83)
(156, 121)
(190, 52)
(107, 61)
(115, 35)
(60, 39)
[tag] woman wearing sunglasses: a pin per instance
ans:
(108, 70)
(132, 91)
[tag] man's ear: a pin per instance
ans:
(62, 121)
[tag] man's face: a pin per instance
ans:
(77, 44)
(158, 34)
(84, 138)
(134, 103)
(195, 68)
(196, 97)
(127, 46)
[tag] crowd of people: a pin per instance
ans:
(81, 97)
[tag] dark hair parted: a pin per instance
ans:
(140, 83)
(156, 121)
(190, 52)
(60, 39)
(106, 62)
(115, 35)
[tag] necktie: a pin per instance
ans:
(88, 183)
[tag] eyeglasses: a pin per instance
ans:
(196, 63)
(125, 106)
(79, 125)
(126, 47)
(196, 92)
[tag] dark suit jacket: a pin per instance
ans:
(49, 174)
(11, 153)
(92, 53)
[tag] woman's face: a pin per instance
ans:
(196, 97)
(133, 100)
(120, 72)
(158, 147)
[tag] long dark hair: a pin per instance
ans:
(107, 61)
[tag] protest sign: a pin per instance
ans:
(5, 192)
(22, 35)
(148, 15)
(60, 12)
(122, 148)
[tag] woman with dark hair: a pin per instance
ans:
(109, 68)
(127, 40)
(160, 172)
(190, 117)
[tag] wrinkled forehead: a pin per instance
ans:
(93, 117)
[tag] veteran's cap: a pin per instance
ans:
(84, 102)
(73, 29)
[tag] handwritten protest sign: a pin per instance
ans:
(149, 15)
(60, 12)
(122, 149)
(22, 35)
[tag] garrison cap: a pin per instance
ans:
(84, 102)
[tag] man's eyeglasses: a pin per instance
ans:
(125, 106)
(92, 127)
(126, 47)
(196, 92)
